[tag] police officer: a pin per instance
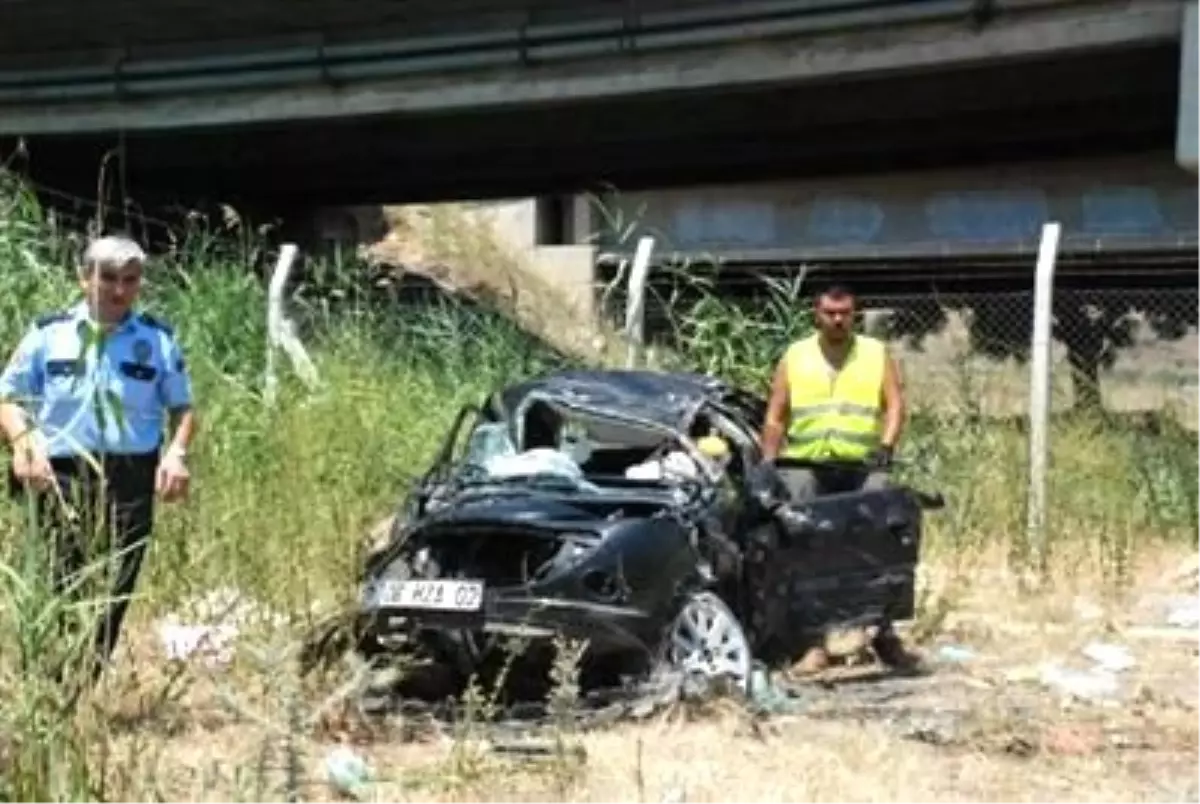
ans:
(836, 399)
(104, 380)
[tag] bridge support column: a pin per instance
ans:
(551, 238)
(560, 252)
(583, 219)
(1187, 144)
(563, 220)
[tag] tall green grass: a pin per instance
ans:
(283, 495)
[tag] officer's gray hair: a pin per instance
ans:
(113, 251)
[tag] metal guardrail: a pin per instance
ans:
(641, 31)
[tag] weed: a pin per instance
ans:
(283, 495)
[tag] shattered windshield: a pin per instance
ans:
(568, 447)
(487, 441)
(491, 456)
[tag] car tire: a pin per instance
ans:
(706, 638)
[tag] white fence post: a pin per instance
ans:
(280, 334)
(1039, 389)
(635, 302)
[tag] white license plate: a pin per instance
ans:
(437, 595)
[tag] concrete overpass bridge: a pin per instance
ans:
(959, 124)
(390, 100)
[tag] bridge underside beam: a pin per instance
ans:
(132, 100)
(1099, 102)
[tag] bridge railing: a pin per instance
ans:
(432, 37)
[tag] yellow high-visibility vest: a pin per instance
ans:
(835, 414)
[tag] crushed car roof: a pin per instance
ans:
(665, 398)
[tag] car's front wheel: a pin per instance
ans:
(706, 638)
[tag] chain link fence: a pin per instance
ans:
(1121, 351)
(1126, 351)
(1122, 435)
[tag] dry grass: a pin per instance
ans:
(199, 748)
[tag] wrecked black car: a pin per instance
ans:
(630, 510)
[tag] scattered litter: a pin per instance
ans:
(1162, 633)
(1113, 658)
(674, 795)
(1071, 739)
(1087, 685)
(1022, 673)
(208, 626)
(347, 771)
(227, 605)
(955, 653)
(1098, 683)
(213, 642)
(1087, 610)
(1184, 577)
(769, 697)
(1184, 613)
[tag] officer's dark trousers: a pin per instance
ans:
(102, 535)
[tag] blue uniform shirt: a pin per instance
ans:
(141, 365)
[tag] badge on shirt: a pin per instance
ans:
(142, 350)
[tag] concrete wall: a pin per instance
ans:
(1144, 197)
(1135, 200)
(513, 227)
(570, 267)
(526, 223)
(514, 220)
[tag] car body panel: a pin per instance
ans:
(843, 560)
(597, 555)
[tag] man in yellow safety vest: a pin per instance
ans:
(836, 399)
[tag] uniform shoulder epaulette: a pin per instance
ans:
(46, 319)
(156, 323)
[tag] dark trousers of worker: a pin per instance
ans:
(111, 516)
(805, 483)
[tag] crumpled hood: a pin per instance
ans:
(516, 507)
(551, 508)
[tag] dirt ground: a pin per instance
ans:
(984, 723)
